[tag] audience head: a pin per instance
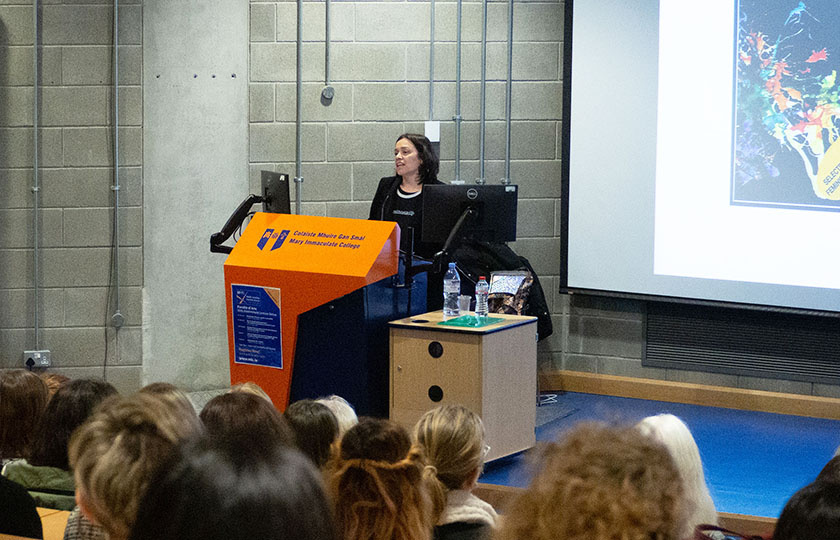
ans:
(118, 449)
(452, 439)
(813, 513)
(378, 484)
(228, 489)
(315, 429)
(677, 439)
(23, 398)
(71, 405)
(246, 415)
(831, 471)
(342, 410)
(53, 381)
(171, 393)
(251, 388)
(600, 483)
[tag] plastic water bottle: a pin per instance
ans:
(451, 292)
(482, 291)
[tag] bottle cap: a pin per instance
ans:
(481, 277)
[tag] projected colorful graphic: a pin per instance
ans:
(787, 105)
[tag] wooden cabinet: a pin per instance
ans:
(491, 370)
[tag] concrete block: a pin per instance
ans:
(51, 140)
(531, 22)
(277, 62)
(15, 188)
(75, 106)
(16, 22)
(276, 142)
(92, 65)
(17, 228)
(131, 105)
(561, 300)
(469, 140)
(775, 385)
(342, 26)
(535, 217)
(531, 61)
(85, 267)
(18, 64)
(16, 104)
(417, 62)
(537, 101)
(368, 62)
(394, 101)
(131, 65)
(445, 105)
(131, 186)
(261, 102)
(579, 362)
(16, 268)
(262, 22)
(51, 58)
(606, 337)
(87, 306)
(378, 21)
(126, 379)
(366, 178)
(18, 305)
(125, 348)
(16, 147)
(89, 227)
(353, 210)
(131, 24)
(326, 182)
(86, 147)
(626, 367)
(362, 141)
(537, 179)
(78, 25)
(313, 108)
(826, 390)
(446, 18)
(314, 209)
(601, 306)
(702, 377)
(74, 347)
(543, 253)
(13, 342)
(76, 187)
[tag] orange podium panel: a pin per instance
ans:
(285, 265)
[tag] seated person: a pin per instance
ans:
(452, 439)
(377, 484)
(344, 413)
(19, 515)
(229, 489)
(813, 513)
(23, 398)
(315, 429)
(115, 454)
(46, 474)
(600, 483)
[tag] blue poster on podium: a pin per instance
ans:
(257, 334)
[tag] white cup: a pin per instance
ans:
(464, 303)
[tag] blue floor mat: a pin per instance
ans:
(754, 461)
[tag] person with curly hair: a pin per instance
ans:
(452, 438)
(377, 484)
(600, 483)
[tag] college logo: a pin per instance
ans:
(280, 239)
(265, 237)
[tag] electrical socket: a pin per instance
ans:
(39, 359)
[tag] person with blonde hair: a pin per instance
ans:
(117, 451)
(600, 482)
(452, 439)
(377, 484)
(675, 435)
(250, 387)
(344, 413)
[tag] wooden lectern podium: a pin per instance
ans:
(286, 265)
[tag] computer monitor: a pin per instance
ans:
(275, 192)
(494, 219)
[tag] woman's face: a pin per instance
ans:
(406, 159)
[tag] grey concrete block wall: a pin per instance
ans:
(76, 176)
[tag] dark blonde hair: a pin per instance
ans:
(378, 486)
(118, 450)
(600, 483)
(23, 399)
(452, 439)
